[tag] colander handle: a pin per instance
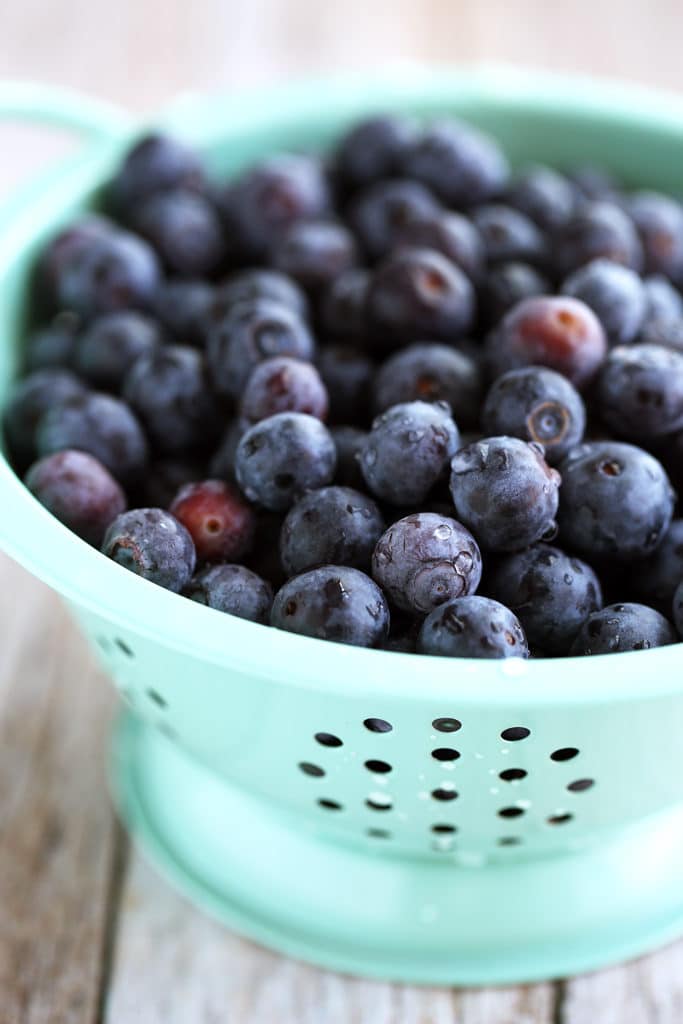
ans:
(96, 123)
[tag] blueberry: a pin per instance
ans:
(594, 182)
(616, 500)
(349, 442)
(380, 212)
(623, 627)
(156, 162)
(111, 344)
(283, 384)
(28, 400)
(184, 229)
(472, 627)
(614, 293)
(408, 450)
(424, 560)
(655, 578)
(53, 345)
(103, 426)
(449, 233)
(659, 221)
(347, 374)
(662, 300)
(333, 602)
(314, 252)
(509, 235)
(169, 390)
(152, 544)
(544, 195)
(551, 592)
(332, 526)
(342, 309)
(233, 589)
(561, 333)
(640, 391)
(165, 477)
(253, 285)
(280, 458)
(249, 333)
(536, 404)
(505, 285)
(460, 164)
(217, 517)
(431, 373)
(115, 270)
(79, 491)
(65, 247)
(598, 230)
(222, 464)
(372, 149)
(504, 490)
(273, 194)
(183, 306)
(664, 332)
(418, 293)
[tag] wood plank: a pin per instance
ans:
(645, 991)
(175, 966)
(57, 833)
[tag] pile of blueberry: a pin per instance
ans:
(393, 397)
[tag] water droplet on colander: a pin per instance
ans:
(443, 843)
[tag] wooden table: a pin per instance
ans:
(87, 932)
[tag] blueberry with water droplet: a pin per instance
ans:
(408, 450)
(333, 602)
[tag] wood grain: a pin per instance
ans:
(648, 991)
(199, 972)
(57, 834)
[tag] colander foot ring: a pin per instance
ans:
(430, 922)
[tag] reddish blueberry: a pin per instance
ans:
(219, 520)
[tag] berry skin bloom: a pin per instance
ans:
(506, 493)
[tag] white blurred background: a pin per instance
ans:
(141, 52)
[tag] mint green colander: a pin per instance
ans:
(409, 817)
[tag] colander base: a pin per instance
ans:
(257, 870)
